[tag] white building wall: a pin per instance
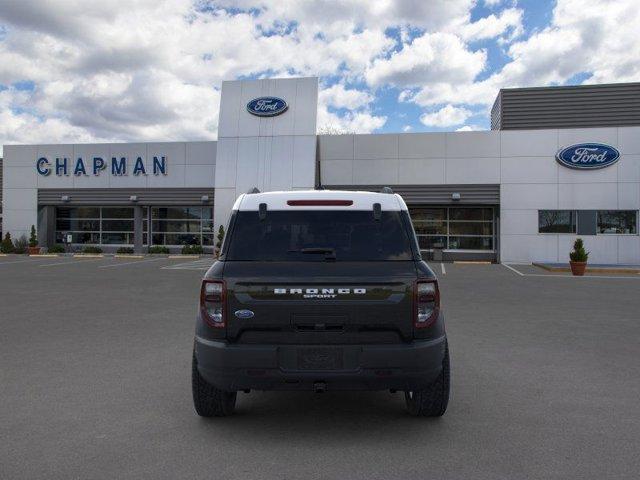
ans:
(521, 161)
(189, 164)
(270, 153)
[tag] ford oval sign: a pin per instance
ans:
(588, 156)
(267, 106)
(244, 313)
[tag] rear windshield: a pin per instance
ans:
(319, 236)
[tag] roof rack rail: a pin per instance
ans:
(386, 190)
(253, 190)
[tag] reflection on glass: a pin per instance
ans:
(453, 228)
(618, 221)
(556, 221)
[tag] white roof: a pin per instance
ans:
(360, 200)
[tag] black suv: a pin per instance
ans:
(320, 290)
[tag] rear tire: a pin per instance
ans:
(208, 400)
(433, 400)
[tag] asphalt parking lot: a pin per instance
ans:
(95, 383)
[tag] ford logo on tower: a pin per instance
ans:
(588, 156)
(267, 106)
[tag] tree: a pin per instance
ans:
(331, 129)
(220, 238)
(7, 244)
(33, 237)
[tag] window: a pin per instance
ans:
(556, 221)
(453, 228)
(618, 221)
(182, 225)
(309, 236)
(95, 225)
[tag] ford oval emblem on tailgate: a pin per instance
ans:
(244, 313)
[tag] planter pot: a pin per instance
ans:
(578, 268)
(33, 250)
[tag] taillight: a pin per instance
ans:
(212, 302)
(426, 303)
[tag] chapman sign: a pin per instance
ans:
(588, 156)
(118, 166)
(267, 106)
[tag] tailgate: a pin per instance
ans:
(319, 302)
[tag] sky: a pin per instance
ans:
(77, 71)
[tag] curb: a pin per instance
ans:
(45, 255)
(88, 255)
(589, 269)
(472, 262)
(183, 256)
(127, 255)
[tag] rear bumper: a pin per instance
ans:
(233, 367)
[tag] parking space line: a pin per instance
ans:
(202, 264)
(444, 272)
(513, 269)
(130, 263)
(72, 262)
(551, 275)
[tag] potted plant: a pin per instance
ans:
(33, 249)
(578, 258)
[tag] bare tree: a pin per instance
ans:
(331, 129)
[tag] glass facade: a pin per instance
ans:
(170, 226)
(182, 226)
(95, 225)
(454, 228)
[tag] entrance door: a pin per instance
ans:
(465, 232)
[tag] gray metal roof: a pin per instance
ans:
(576, 106)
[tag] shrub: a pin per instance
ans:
(220, 237)
(33, 238)
(57, 248)
(579, 254)
(7, 244)
(125, 250)
(20, 245)
(158, 249)
(192, 250)
(91, 249)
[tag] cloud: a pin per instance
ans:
(447, 116)
(152, 70)
(340, 97)
(441, 57)
(598, 39)
(509, 21)
(469, 128)
(358, 122)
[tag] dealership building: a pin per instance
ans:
(558, 163)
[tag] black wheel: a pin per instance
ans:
(208, 400)
(433, 400)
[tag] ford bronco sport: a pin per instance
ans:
(320, 290)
